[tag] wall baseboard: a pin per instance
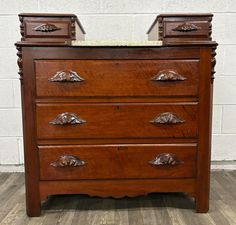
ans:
(215, 165)
(223, 165)
(12, 168)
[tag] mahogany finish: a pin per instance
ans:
(116, 121)
(117, 188)
(118, 78)
(50, 27)
(125, 161)
(181, 27)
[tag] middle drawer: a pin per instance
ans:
(137, 120)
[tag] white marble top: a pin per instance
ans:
(116, 43)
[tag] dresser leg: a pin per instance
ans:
(202, 204)
(33, 208)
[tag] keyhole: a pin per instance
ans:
(121, 148)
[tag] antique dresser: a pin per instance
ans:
(116, 119)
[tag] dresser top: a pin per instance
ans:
(185, 15)
(46, 14)
(114, 44)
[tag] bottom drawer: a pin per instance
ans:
(117, 161)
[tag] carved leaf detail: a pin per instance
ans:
(213, 63)
(167, 118)
(168, 75)
(68, 161)
(67, 118)
(46, 27)
(165, 159)
(66, 76)
(186, 27)
(20, 62)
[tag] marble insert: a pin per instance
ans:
(116, 43)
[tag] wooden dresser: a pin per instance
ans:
(116, 120)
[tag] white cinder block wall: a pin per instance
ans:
(119, 20)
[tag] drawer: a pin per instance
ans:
(117, 162)
(116, 78)
(58, 121)
(181, 29)
(50, 27)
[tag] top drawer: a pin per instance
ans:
(186, 29)
(181, 27)
(102, 78)
(50, 27)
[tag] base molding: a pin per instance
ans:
(116, 188)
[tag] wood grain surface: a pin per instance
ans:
(117, 78)
(116, 121)
(172, 29)
(124, 117)
(117, 162)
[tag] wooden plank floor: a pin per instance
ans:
(154, 209)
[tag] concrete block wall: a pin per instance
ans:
(119, 20)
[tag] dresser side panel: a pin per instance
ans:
(29, 131)
(205, 124)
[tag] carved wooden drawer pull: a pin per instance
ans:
(186, 27)
(165, 159)
(66, 76)
(68, 161)
(67, 118)
(167, 118)
(46, 27)
(168, 75)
